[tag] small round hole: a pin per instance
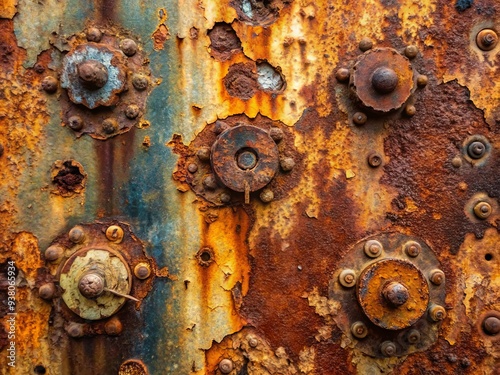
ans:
(205, 256)
(40, 369)
(488, 257)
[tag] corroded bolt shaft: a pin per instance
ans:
(226, 366)
(384, 80)
(246, 160)
(476, 150)
(91, 285)
(491, 325)
(487, 39)
(395, 293)
(359, 330)
(92, 74)
(482, 210)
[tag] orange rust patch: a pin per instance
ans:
(160, 36)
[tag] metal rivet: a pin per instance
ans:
(373, 248)
(276, 134)
(74, 329)
(347, 278)
(365, 44)
(395, 293)
(77, 235)
(49, 84)
(342, 75)
(220, 126)
(53, 253)
(482, 210)
(209, 182)
(109, 125)
(114, 233)
(437, 277)
(94, 34)
(225, 198)
(413, 248)
(476, 150)
(388, 348)
(142, 270)
(91, 285)
(437, 313)
(140, 82)
(384, 80)
(422, 80)
(287, 164)
(266, 195)
(203, 154)
(410, 110)
(359, 118)
(113, 327)
(413, 336)
(359, 330)
(456, 162)
(92, 74)
(75, 123)
(374, 159)
(491, 325)
(128, 46)
(192, 168)
(47, 291)
(487, 39)
(411, 51)
(226, 366)
(132, 111)
(253, 342)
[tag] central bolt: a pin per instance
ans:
(91, 285)
(247, 160)
(476, 150)
(384, 80)
(395, 293)
(93, 74)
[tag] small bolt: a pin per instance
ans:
(49, 84)
(487, 39)
(94, 34)
(359, 330)
(388, 348)
(373, 248)
(109, 126)
(437, 277)
(347, 278)
(92, 74)
(411, 51)
(491, 325)
(140, 82)
(365, 44)
(482, 210)
(246, 160)
(276, 134)
(395, 293)
(77, 235)
(132, 111)
(253, 342)
(456, 162)
(452, 358)
(384, 80)
(413, 336)
(267, 195)
(437, 313)
(75, 123)
(192, 168)
(114, 233)
(374, 159)
(225, 198)
(203, 154)
(410, 110)
(113, 327)
(287, 164)
(128, 46)
(359, 118)
(53, 253)
(209, 182)
(342, 75)
(91, 285)
(220, 126)
(142, 271)
(226, 366)
(476, 150)
(74, 329)
(47, 291)
(413, 249)
(422, 80)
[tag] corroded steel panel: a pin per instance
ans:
(123, 160)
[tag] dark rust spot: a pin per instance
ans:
(241, 80)
(224, 41)
(68, 177)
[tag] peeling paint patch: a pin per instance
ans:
(161, 34)
(269, 78)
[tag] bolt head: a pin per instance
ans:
(347, 278)
(114, 233)
(94, 34)
(476, 150)
(482, 210)
(192, 168)
(388, 348)
(384, 80)
(253, 342)
(226, 366)
(437, 313)
(342, 75)
(74, 330)
(487, 39)
(359, 118)
(359, 330)
(411, 51)
(142, 271)
(374, 160)
(267, 195)
(53, 253)
(109, 126)
(92, 74)
(396, 294)
(287, 164)
(276, 134)
(77, 235)
(203, 154)
(129, 47)
(220, 126)
(373, 248)
(413, 249)
(422, 80)
(132, 111)
(47, 291)
(140, 82)
(413, 337)
(91, 285)
(49, 84)
(75, 123)
(437, 277)
(365, 44)
(410, 110)
(209, 182)
(113, 327)
(491, 325)
(225, 198)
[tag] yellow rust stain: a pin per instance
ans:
(8, 8)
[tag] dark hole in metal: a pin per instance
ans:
(40, 369)
(205, 256)
(488, 257)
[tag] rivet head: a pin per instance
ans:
(359, 118)
(347, 278)
(113, 327)
(374, 159)
(49, 84)
(287, 164)
(396, 294)
(276, 134)
(413, 337)
(267, 195)
(359, 330)
(365, 44)
(384, 80)
(114, 233)
(373, 248)
(74, 329)
(491, 325)
(412, 248)
(456, 162)
(203, 154)
(142, 271)
(342, 75)
(209, 182)
(220, 126)
(53, 253)
(482, 210)
(437, 313)
(225, 198)
(253, 341)
(132, 111)
(437, 277)
(410, 110)
(77, 235)
(476, 150)
(129, 47)
(91, 285)
(487, 39)
(75, 123)
(47, 291)
(388, 348)
(192, 168)
(92, 74)
(422, 80)
(411, 51)
(140, 82)
(226, 366)
(94, 34)
(109, 125)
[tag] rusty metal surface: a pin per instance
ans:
(249, 284)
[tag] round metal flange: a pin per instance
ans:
(382, 79)
(245, 158)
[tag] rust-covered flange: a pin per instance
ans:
(395, 301)
(382, 79)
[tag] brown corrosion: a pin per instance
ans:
(68, 177)
(263, 12)
(223, 41)
(241, 80)
(133, 367)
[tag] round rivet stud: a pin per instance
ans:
(342, 75)
(412, 248)
(266, 195)
(129, 47)
(225, 198)
(347, 278)
(209, 182)
(109, 125)
(411, 51)
(220, 126)
(49, 84)
(422, 80)
(384, 80)
(476, 150)
(91, 285)
(374, 159)
(359, 330)
(74, 329)
(140, 82)
(276, 134)
(410, 110)
(93, 74)
(53, 253)
(75, 123)
(142, 271)
(388, 348)
(114, 233)
(77, 235)
(365, 44)
(94, 34)
(287, 164)
(487, 39)
(436, 277)
(413, 337)
(253, 341)
(373, 248)
(132, 111)
(47, 291)
(491, 325)
(226, 366)
(359, 118)
(396, 294)
(203, 154)
(482, 210)
(113, 327)
(192, 168)
(437, 313)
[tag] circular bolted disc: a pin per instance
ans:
(231, 144)
(364, 82)
(372, 286)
